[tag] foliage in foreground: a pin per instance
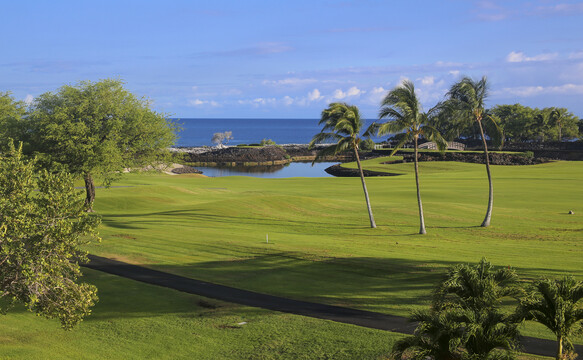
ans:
(558, 305)
(40, 237)
(466, 321)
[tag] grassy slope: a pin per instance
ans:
(320, 247)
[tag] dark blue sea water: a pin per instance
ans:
(199, 132)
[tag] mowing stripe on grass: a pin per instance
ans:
(368, 319)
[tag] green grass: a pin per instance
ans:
(139, 321)
(320, 246)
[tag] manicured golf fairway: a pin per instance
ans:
(320, 247)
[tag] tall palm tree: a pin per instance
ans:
(558, 305)
(467, 103)
(405, 114)
(557, 117)
(342, 123)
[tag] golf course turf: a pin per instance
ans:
(308, 239)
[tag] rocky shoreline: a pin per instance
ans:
(283, 154)
(254, 156)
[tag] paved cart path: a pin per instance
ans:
(368, 319)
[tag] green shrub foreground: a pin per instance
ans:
(320, 249)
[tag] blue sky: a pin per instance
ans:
(289, 59)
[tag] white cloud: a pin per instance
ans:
(567, 9)
(257, 102)
(314, 95)
(576, 55)
(528, 91)
(427, 80)
(376, 95)
(338, 94)
(454, 73)
(290, 82)
(28, 99)
(354, 91)
(288, 100)
(199, 103)
(518, 56)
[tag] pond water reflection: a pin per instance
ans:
(294, 169)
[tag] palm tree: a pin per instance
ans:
(557, 117)
(558, 305)
(342, 123)
(465, 320)
(467, 103)
(477, 287)
(405, 114)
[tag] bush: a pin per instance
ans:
(267, 142)
(367, 144)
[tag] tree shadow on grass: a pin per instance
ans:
(180, 217)
(372, 284)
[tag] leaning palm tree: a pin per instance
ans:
(467, 104)
(558, 305)
(405, 114)
(342, 123)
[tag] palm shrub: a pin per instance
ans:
(465, 320)
(558, 305)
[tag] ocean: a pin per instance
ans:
(199, 132)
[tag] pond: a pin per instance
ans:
(294, 169)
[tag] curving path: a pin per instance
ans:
(329, 312)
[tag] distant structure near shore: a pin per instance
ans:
(450, 146)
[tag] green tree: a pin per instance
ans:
(97, 128)
(405, 114)
(516, 121)
(342, 124)
(558, 305)
(11, 115)
(466, 104)
(43, 223)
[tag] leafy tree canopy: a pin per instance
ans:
(11, 114)
(97, 128)
(43, 223)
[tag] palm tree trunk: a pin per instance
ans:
(560, 137)
(421, 218)
(90, 192)
(372, 223)
(486, 221)
(559, 348)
